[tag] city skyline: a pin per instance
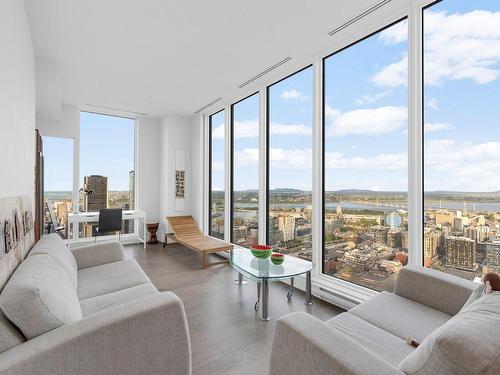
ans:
(102, 138)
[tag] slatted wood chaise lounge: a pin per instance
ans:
(187, 233)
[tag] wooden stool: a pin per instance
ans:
(152, 229)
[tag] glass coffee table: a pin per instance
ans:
(262, 271)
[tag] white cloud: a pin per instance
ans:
(395, 34)
(433, 103)
(380, 120)
(393, 75)
(437, 126)
(297, 129)
(457, 47)
(247, 156)
(250, 129)
(387, 161)
(218, 132)
(368, 99)
(291, 94)
(301, 159)
(463, 166)
(291, 159)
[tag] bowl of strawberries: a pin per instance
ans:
(261, 251)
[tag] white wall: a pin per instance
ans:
(176, 134)
(17, 101)
(67, 126)
(148, 155)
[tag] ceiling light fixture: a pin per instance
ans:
(257, 76)
(208, 105)
(358, 17)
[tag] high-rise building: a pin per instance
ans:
(493, 257)
(394, 239)
(444, 216)
(286, 224)
(97, 193)
(95, 198)
(380, 234)
(431, 246)
(461, 253)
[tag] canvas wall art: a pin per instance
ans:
(17, 236)
(179, 184)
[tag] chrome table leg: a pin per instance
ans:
(290, 292)
(240, 280)
(256, 306)
(308, 289)
(265, 299)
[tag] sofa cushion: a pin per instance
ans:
(39, 297)
(467, 344)
(98, 304)
(9, 334)
(109, 278)
(388, 347)
(400, 316)
(54, 246)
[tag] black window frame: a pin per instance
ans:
(210, 168)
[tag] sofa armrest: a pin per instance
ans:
(436, 289)
(97, 254)
(146, 336)
(303, 344)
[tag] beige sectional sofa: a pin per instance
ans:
(89, 311)
(458, 329)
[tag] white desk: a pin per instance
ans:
(93, 217)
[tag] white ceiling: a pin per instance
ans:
(165, 56)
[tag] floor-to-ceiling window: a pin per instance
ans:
(365, 159)
(216, 180)
(245, 171)
(289, 127)
(107, 175)
(461, 53)
(57, 183)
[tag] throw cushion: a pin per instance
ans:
(465, 345)
(39, 297)
(476, 294)
(54, 246)
(9, 334)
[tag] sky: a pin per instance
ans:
(106, 148)
(366, 111)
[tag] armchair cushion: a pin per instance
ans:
(439, 290)
(39, 297)
(302, 344)
(109, 278)
(390, 348)
(97, 304)
(466, 345)
(400, 316)
(54, 246)
(97, 254)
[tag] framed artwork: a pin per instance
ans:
(179, 184)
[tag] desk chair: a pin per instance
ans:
(110, 220)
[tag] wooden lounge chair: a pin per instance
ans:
(187, 233)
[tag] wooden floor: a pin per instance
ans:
(227, 337)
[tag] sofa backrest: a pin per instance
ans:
(468, 344)
(40, 297)
(54, 246)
